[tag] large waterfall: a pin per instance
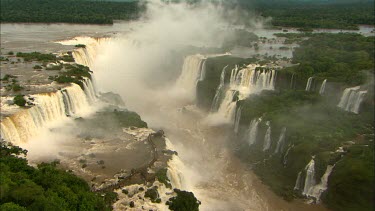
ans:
(85, 55)
(281, 141)
(267, 137)
(253, 131)
(244, 82)
(351, 99)
(49, 107)
(193, 70)
(219, 90)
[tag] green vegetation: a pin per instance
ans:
(162, 177)
(153, 194)
(37, 56)
(10, 53)
(184, 201)
(336, 57)
(68, 11)
(73, 73)
(19, 100)
(7, 77)
(37, 67)
(43, 188)
(80, 46)
(14, 87)
(317, 15)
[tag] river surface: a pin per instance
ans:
(209, 167)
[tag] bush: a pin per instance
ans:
(184, 201)
(37, 67)
(19, 100)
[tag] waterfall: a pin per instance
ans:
(309, 180)
(281, 141)
(323, 87)
(192, 72)
(308, 85)
(89, 90)
(85, 56)
(253, 131)
(244, 82)
(291, 82)
(351, 99)
(215, 102)
(49, 107)
(297, 186)
(285, 158)
(318, 189)
(174, 173)
(267, 137)
(237, 119)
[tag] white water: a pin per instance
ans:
(323, 87)
(309, 179)
(49, 108)
(245, 81)
(253, 131)
(285, 158)
(192, 71)
(281, 141)
(291, 81)
(308, 84)
(351, 99)
(237, 120)
(297, 186)
(219, 90)
(267, 138)
(318, 189)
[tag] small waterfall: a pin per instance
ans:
(351, 99)
(237, 120)
(219, 90)
(298, 184)
(308, 85)
(253, 131)
(292, 82)
(244, 82)
(285, 158)
(267, 138)
(192, 72)
(323, 87)
(49, 107)
(309, 180)
(89, 90)
(174, 173)
(318, 189)
(281, 141)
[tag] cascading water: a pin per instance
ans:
(89, 89)
(281, 141)
(323, 87)
(245, 81)
(351, 99)
(285, 158)
(308, 84)
(267, 138)
(298, 185)
(309, 180)
(48, 108)
(237, 120)
(318, 189)
(219, 90)
(192, 72)
(253, 131)
(292, 82)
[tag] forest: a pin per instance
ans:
(67, 11)
(46, 187)
(305, 15)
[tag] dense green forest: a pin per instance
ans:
(284, 13)
(67, 11)
(46, 187)
(338, 57)
(317, 15)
